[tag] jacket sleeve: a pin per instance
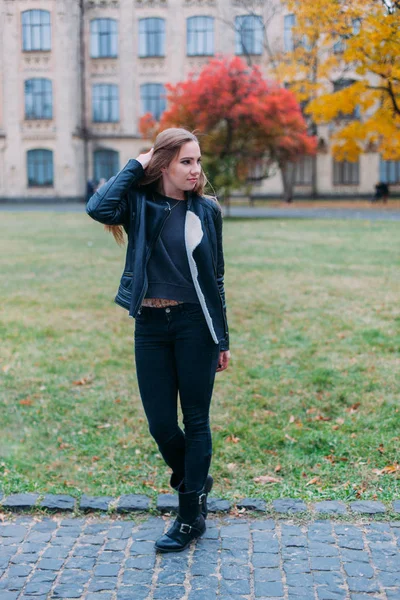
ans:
(224, 344)
(109, 205)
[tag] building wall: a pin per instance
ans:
(65, 134)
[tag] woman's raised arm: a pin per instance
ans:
(109, 204)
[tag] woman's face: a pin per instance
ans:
(184, 170)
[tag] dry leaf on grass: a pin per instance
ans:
(83, 381)
(290, 438)
(26, 401)
(278, 468)
(321, 418)
(266, 479)
(231, 467)
(313, 481)
(105, 426)
(232, 438)
(352, 409)
(388, 470)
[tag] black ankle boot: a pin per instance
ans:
(204, 493)
(188, 525)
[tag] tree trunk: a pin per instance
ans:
(287, 172)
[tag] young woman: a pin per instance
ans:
(173, 286)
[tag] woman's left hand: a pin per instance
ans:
(223, 360)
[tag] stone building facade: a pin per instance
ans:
(76, 75)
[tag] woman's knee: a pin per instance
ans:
(164, 433)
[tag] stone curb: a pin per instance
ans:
(168, 503)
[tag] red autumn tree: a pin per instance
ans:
(243, 122)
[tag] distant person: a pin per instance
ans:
(381, 192)
(90, 188)
(173, 286)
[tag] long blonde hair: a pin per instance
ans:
(166, 147)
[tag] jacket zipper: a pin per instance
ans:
(145, 287)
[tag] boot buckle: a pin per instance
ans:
(182, 528)
(202, 497)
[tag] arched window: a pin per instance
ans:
(38, 99)
(36, 30)
(151, 37)
(40, 168)
(200, 36)
(105, 164)
(153, 99)
(249, 34)
(103, 38)
(105, 103)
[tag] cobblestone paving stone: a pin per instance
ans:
(101, 558)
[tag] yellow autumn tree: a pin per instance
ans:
(344, 67)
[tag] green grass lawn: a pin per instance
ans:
(310, 402)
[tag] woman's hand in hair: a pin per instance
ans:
(144, 159)
(223, 360)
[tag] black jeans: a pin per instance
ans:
(174, 352)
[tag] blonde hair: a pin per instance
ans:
(166, 147)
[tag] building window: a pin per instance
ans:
(288, 24)
(36, 30)
(105, 164)
(303, 170)
(249, 34)
(40, 168)
(105, 103)
(38, 99)
(340, 46)
(346, 173)
(200, 36)
(103, 38)
(153, 99)
(151, 37)
(389, 171)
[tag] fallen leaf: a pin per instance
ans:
(313, 481)
(5, 368)
(231, 467)
(353, 435)
(26, 402)
(321, 418)
(292, 419)
(391, 468)
(105, 426)
(266, 479)
(309, 411)
(381, 448)
(352, 409)
(278, 468)
(232, 438)
(290, 438)
(340, 421)
(83, 381)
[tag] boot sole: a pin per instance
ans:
(167, 550)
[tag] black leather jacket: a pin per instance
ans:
(121, 201)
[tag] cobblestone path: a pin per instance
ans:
(99, 558)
